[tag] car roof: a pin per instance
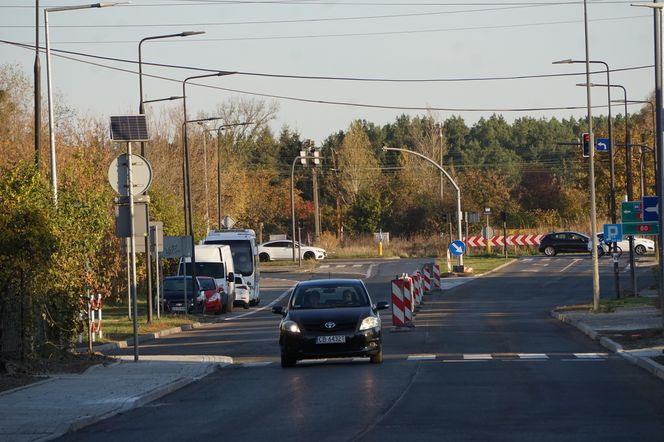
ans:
(329, 282)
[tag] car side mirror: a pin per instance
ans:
(382, 305)
(278, 310)
(230, 277)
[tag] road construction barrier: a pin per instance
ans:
(426, 275)
(398, 313)
(94, 316)
(449, 261)
(436, 276)
(408, 299)
(417, 288)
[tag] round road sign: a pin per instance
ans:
(141, 172)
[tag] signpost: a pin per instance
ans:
(602, 145)
(457, 248)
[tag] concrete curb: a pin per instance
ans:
(148, 337)
(641, 361)
(132, 403)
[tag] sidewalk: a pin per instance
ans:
(64, 403)
(601, 326)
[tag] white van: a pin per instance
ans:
(215, 261)
(245, 256)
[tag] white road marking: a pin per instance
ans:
(325, 266)
(341, 265)
(465, 360)
(474, 357)
(269, 306)
(569, 265)
(584, 360)
(532, 356)
(590, 355)
(368, 274)
(357, 265)
(421, 357)
(255, 364)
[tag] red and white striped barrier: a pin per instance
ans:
(512, 240)
(436, 276)
(426, 274)
(398, 312)
(408, 299)
(449, 261)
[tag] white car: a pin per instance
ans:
(242, 293)
(641, 245)
(283, 249)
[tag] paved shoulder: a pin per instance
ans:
(70, 402)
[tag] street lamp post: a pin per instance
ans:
(612, 180)
(456, 187)
(292, 201)
(628, 166)
(141, 110)
(185, 151)
(657, 14)
(51, 130)
(37, 89)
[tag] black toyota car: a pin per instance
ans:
(330, 318)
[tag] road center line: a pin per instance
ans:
(269, 306)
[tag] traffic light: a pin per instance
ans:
(585, 144)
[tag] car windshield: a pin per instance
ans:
(206, 284)
(241, 251)
(176, 284)
(326, 296)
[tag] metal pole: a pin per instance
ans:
(314, 171)
(219, 129)
(657, 14)
(612, 196)
(630, 191)
(456, 187)
(591, 167)
(292, 202)
(132, 241)
(205, 178)
(37, 90)
(51, 130)
(188, 192)
(156, 270)
(127, 247)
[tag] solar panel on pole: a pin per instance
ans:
(129, 128)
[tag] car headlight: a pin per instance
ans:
(370, 322)
(290, 326)
(214, 297)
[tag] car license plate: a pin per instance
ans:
(177, 309)
(335, 339)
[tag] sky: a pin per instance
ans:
(467, 47)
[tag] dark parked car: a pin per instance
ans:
(330, 318)
(173, 288)
(564, 242)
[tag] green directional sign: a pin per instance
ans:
(640, 228)
(630, 212)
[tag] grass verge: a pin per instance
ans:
(610, 305)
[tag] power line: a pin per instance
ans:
(305, 20)
(327, 102)
(367, 34)
(331, 78)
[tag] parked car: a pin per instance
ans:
(173, 293)
(283, 249)
(329, 318)
(242, 293)
(564, 242)
(641, 245)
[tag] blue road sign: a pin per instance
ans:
(650, 209)
(612, 232)
(457, 248)
(602, 144)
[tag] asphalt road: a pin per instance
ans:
(484, 362)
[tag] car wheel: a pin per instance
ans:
(288, 361)
(246, 305)
(377, 358)
(263, 257)
(550, 251)
(640, 249)
(309, 255)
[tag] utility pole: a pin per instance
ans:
(37, 87)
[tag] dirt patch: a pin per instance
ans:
(15, 374)
(637, 339)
